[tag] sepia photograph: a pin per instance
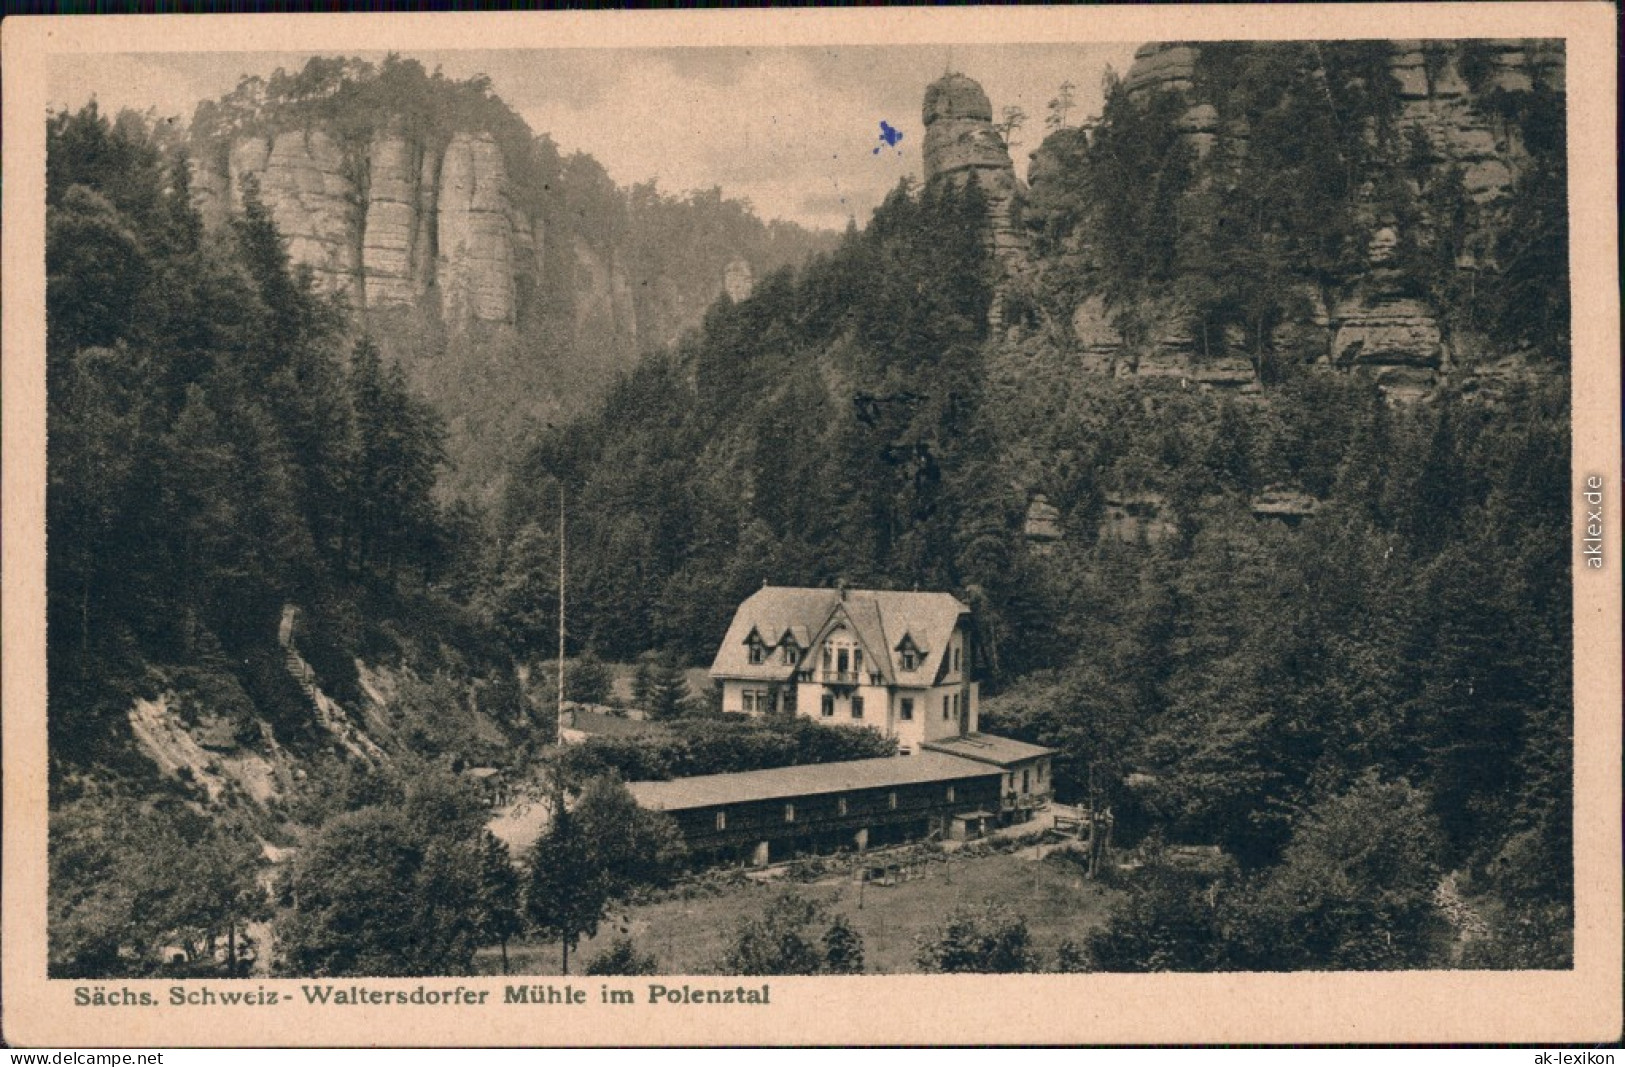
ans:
(520, 524)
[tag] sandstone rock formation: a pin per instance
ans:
(737, 280)
(1449, 93)
(309, 188)
(400, 222)
(396, 225)
(1439, 100)
(962, 145)
(476, 241)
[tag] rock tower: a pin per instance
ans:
(962, 145)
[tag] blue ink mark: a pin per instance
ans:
(889, 136)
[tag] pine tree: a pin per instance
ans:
(568, 890)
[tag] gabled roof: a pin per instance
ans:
(710, 790)
(879, 618)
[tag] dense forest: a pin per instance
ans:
(1216, 675)
(1365, 703)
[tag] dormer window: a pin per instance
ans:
(758, 652)
(790, 653)
(909, 655)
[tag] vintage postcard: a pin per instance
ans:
(1013, 526)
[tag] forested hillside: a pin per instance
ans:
(1268, 607)
(1243, 431)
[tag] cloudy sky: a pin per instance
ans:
(793, 130)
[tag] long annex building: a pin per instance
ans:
(766, 816)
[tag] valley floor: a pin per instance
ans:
(690, 936)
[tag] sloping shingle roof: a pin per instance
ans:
(811, 779)
(988, 748)
(880, 618)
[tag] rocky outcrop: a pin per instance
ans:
(604, 304)
(1043, 523)
(394, 221)
(1443, 89)
(309, 187)
(737, 280)
(394, 226)
(962, 145)
(475, 266)
(1162, 66)
(1098, 344)
(1448, 109)
(1170, 67)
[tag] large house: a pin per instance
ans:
(899, 662)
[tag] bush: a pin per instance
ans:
(783, 939)
(992, 940)
(622, 958)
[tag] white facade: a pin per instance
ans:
(840, 682)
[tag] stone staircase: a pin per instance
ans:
(328, 711)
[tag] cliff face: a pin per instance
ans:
(962, 145)
(394, 221)
(1434, 139)
(512, 282)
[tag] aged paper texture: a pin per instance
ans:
(1580, 1004)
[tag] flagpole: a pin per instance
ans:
(558, 738)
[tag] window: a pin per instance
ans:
(945, 706)
(1040, 775)
(789, 813)
(908, 659)
(791, 653)
(891, 800)
(758, 653)
(722, 820)
(956, 657)
(842, 660)
(857, 660)
(956, 705)
(747, 701)
(829, 705)
(857, 707)
(1025, 783)
(950, 794)
(790, 700)
(826, 657)
(840, 805)
(906, 710)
